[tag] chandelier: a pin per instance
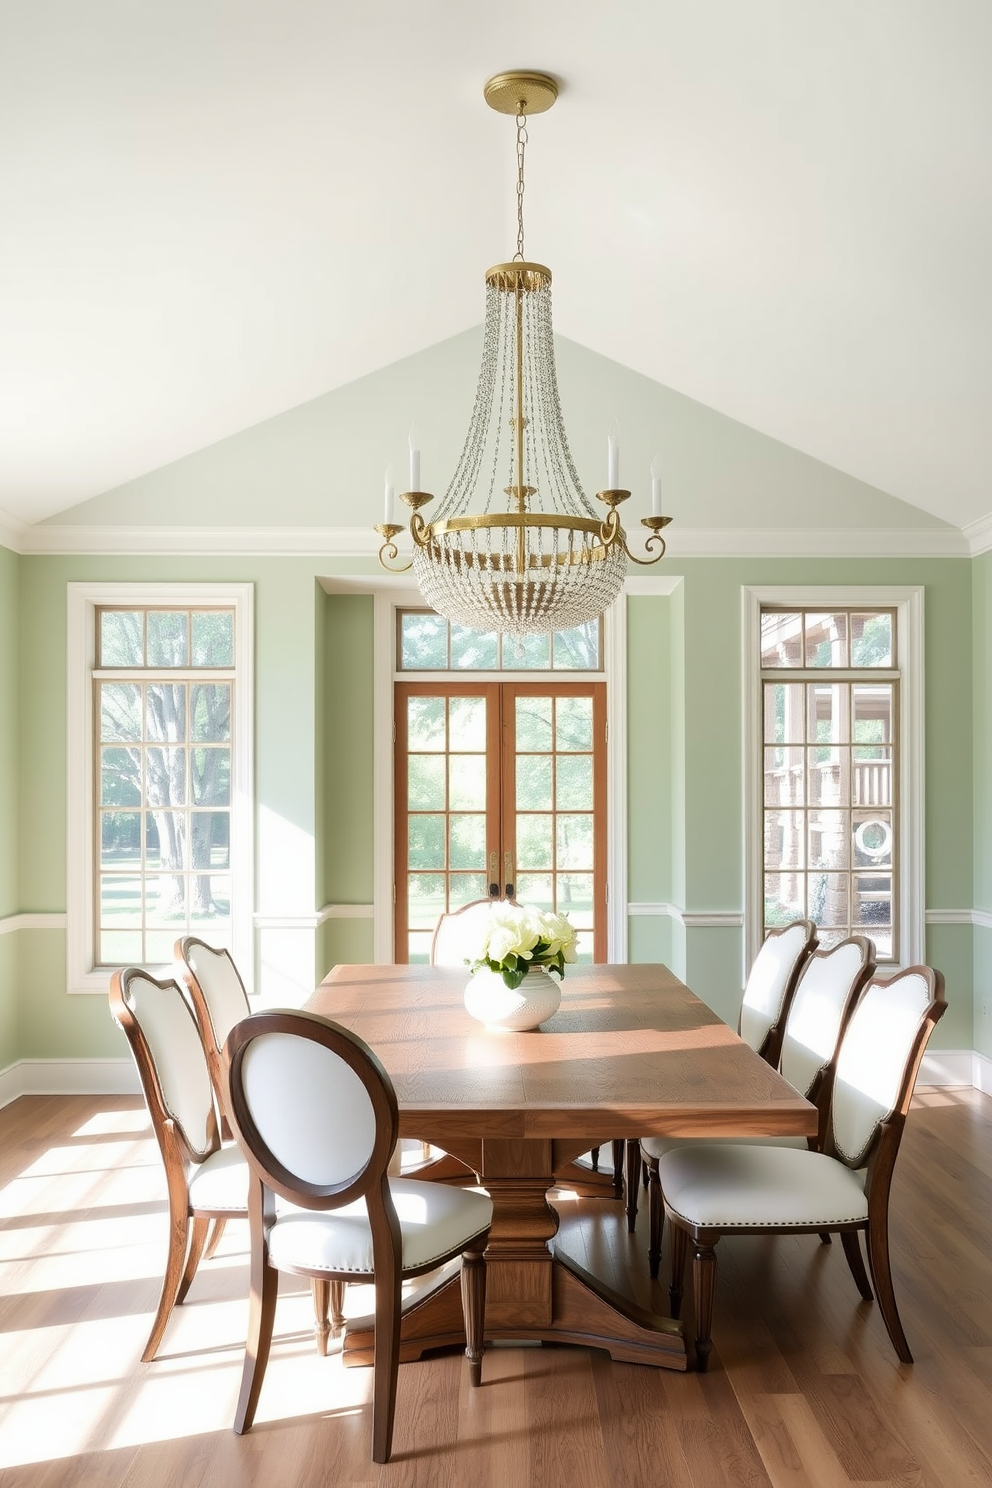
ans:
(533, 554)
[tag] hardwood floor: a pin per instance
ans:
(803, 1389)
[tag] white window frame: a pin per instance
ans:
(82, 603)
(908, 603)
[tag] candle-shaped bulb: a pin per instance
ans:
(656, 487)
(414, 458)
(613, 458)
(388, 494)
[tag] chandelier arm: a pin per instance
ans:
(389, 550)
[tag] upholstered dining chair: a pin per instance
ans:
(716, 1189)
(316, 1115)
(768, 991)
(219, 1000)
(829, 983)
(206, 1180)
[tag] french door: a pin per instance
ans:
(500, 791)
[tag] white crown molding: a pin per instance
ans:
(10, 923)
(810, 542)
(978, 535)
(278, 542)
(11, 533)
(364, 542)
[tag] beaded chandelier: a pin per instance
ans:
(526, 551)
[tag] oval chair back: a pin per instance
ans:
(316, 1115)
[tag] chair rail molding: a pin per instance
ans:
(32, 921)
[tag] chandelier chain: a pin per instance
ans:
(521, 147)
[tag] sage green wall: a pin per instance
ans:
(52, 1023)
(709, 847)
(982, 694)
(9, 822)
(345, 771)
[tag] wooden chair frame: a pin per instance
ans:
(770, 1050)
(818, 1092)
(270, 1177)
(213, 1047)
(879, 1156)
(187, 1225)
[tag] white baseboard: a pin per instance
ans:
(982, 1073)
(949, 1067)
(68, 1077)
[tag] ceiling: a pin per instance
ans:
(212, 212)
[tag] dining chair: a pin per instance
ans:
(205, 1180)
(716, 1189)
(219, 1000)
(316, 1115)
(761, 1022)
(829, 983)
(455, 931)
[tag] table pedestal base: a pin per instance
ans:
(583, 1311)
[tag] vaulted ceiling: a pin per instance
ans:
(214, 212)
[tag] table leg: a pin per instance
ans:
(532, 1291)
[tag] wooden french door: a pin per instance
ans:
(500, 791)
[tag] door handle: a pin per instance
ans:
(494, 875)
(508, 886)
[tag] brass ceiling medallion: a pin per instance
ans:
(534, 554)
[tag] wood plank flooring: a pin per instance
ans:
(803, 1388)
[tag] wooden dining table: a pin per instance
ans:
(630, 1051)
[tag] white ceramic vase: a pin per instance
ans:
(490, 1000)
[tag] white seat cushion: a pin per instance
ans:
(658, 1146)
(435, 1220)
(221, 1181)
(726, 1185)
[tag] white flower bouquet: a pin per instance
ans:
(515, 937)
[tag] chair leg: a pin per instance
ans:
(825, 1238)
(217, 1228)
(337, 1307)
(594, 1157)
(175, 1261)
(386, 1361)
(632, 1175)
(320, 1288)
(198, 1240)
(680, 1240)
(656, 1218)
(474, 1308)
(881, 1275)
(703, 1291)
(852, 1249)
(619, 1152)
(263, 1291)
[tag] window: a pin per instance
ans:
(160, 841)
(828, 825)
(500, 789)
(429, 642)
